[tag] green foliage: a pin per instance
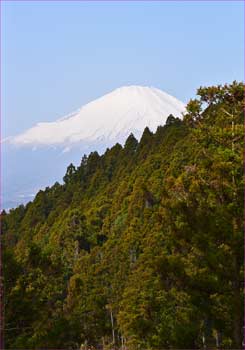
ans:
(142, 246)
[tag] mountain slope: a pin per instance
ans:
(141, 246)
(110, 118)
(28, 158)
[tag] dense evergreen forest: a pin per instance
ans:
(139, 248)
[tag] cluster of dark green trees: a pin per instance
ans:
(141, 247)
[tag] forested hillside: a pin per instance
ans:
(141, 247)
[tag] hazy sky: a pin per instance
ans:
(56, 56)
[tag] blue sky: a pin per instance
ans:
(56, 56)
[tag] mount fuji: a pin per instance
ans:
(39, 156)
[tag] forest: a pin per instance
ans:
(139, 248)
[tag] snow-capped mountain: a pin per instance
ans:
(40, 155)
(109, 118)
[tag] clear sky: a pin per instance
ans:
(56, 56)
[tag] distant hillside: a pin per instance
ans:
(141, 247)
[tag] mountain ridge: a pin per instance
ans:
(111, 116)
(96, 126)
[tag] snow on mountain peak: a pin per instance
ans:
(111, 118)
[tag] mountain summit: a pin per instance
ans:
(110, 118)
(39, 156)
